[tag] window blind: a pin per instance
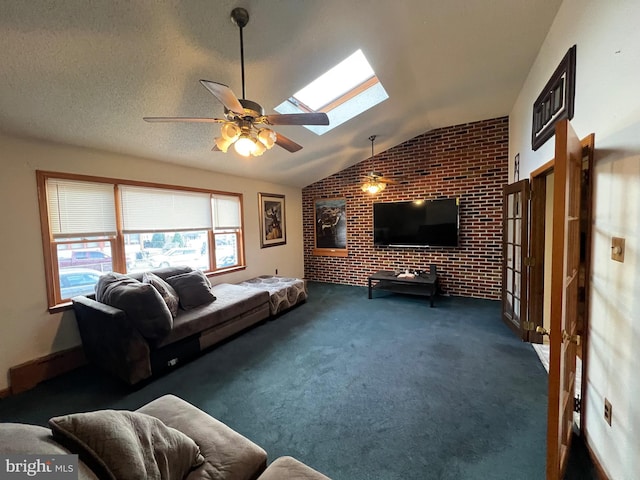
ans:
(226, 211)
(79, 208)
(162, 210)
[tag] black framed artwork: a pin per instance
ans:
(330, 219)
(556, 100)
(272, 220)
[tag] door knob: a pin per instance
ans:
(541, 330)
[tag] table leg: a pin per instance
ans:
(369, 289)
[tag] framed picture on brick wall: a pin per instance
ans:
(330, 217)
(272, 221)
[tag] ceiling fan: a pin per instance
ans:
(245, 125)
(374, 181)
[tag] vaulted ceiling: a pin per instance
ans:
(85, 72)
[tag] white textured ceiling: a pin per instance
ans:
(85, 72)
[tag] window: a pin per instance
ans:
(343, 92)
(91, 226)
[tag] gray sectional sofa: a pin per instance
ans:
(166, 438)
(140, 324)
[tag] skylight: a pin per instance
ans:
(343, 92)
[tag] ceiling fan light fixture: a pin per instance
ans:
(259, 148)
(267, 137)
(244, 145)
(223, 144)
(230, 131)
(373, 187)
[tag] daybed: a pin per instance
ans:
(140, 324)
(166, 438)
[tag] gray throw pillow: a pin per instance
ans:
(127, 445)
(140, 301)
(193, 288)
(165, 290)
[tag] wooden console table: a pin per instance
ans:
(425, 284)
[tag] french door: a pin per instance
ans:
(565, 284)
(515, 220)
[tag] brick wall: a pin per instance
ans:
(469, 161)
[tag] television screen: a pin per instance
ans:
(428, 223)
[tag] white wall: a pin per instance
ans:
(607, 103)
(27, 330)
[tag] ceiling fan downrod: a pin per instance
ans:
(240, 17)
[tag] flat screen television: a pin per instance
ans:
(424, 223)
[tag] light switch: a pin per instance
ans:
(617, 249)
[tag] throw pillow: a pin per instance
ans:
(165, 290)
(140, 301)
(193, 289)
(127, 445)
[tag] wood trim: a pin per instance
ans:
(135, 183)
(537, 248)
(543, 169)
(4, 393)
(27, 375)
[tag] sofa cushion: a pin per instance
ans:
(165, 290)
(193, 288)
(228, 454)
(21, 439)
(127, 445)
(231, 301)
(142, 303)
(285, 468)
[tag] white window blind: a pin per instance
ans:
(79, 208)
(162, 210)
(226, 211)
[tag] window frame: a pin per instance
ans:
(119, 263)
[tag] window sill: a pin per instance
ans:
(60, 307)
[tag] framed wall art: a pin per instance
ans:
(330, 219)
(556, 100)
(272, 220)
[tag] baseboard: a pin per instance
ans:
(27, 375)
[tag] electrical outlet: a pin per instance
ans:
(607, 411)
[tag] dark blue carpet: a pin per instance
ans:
(359, 389)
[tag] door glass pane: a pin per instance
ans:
(509, 279)
(516, 255)
(517, 226)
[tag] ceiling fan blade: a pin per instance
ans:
(287, 144)
(183, 119)
(298, 119)
(225, 95)
(387, 180)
